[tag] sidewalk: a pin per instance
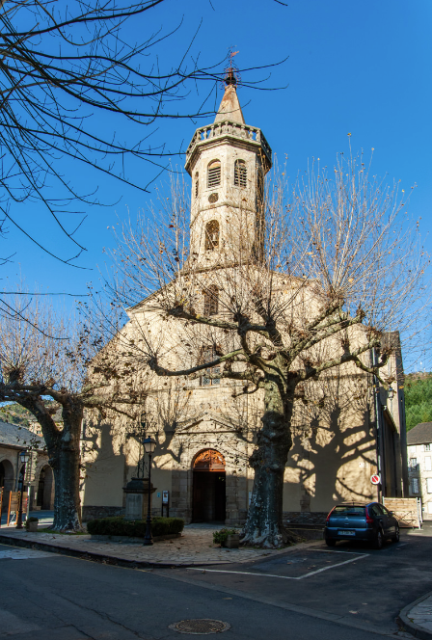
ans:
(45, 519)
(417, 617)
(194, 547)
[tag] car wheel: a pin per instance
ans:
(379, 539)
(396, 534)
(330, 542)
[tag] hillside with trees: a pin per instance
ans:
(418, 399)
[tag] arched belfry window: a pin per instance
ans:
(196, 184)
(211, 300)
(240, 174)
(212, 235)
(214, 174)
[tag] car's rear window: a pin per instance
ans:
(349, 511)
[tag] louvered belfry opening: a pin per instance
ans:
(196, 184)
(211, 301)
(214, 174)
(240, 174)
(212, 235)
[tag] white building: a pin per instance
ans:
(419, 442)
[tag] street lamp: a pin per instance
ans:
(149, 447)
(25, 457)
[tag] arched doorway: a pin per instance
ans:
(6, 481)
(45, 488)
(208, 504)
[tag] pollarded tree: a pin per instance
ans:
(44, 366)
(311, 291)
(83, 89)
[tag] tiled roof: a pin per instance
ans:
(420, 434)
(14, 434)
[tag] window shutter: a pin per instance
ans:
(214, 174)
(240, 174)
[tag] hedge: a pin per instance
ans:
(134, 528)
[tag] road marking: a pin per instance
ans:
(351, 621)
(274, 575)
(25, 554)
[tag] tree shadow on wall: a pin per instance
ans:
(333, 441)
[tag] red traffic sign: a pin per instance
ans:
(375, 479)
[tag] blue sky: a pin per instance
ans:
(359, 67)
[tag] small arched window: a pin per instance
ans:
(240, 174)
(196, 184)
(212, 235)
(214, 174)
(211, 301)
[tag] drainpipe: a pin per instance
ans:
(379, 432)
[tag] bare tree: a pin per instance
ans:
(44, 367)
(308, 292)
(67, 67)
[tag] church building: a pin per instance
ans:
(204, 433)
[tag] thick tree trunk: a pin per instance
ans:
(66, 467)
(63, 447)
(263, 525)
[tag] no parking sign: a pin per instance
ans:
(375, 479)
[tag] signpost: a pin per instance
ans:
(165, 502)
(375, 479)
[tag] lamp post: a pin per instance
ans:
(24, 457)
(149, 447)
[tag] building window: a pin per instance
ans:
(427, 447)
(211, 301)
(196, 184)
(429, 504)
(413, 463)
(428, 463)
(240, 174)
(414, 486)
(214, 174)
(429, 485)
(208, 355)
(211, 235)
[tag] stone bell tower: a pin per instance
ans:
(227, 162)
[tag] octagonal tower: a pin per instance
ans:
(227, 162)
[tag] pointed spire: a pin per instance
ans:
(230, 106)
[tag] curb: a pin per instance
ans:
(418, 632)
(123, 562)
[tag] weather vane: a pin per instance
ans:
(232, 74)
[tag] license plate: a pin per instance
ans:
(346, 533)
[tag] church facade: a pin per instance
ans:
(205, 433)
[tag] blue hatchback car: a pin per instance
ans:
(360, 521)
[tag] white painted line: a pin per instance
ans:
(333, 566)
(273, 575)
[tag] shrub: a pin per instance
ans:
(118, 526)
(219, 537)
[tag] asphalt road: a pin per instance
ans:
(353, 593)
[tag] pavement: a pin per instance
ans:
(46, 519)
(417, 617)
(194, 547)
(56, 597)
(304, 591)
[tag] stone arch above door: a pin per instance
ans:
(209, 460)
